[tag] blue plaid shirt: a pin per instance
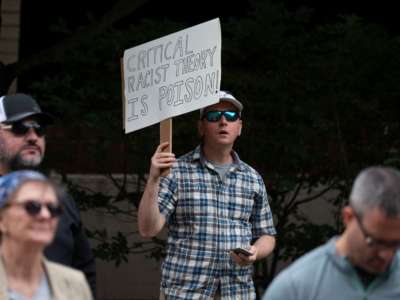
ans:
(207, 216)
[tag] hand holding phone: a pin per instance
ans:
(242, 251)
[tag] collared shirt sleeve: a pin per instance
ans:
(261, 217)
(167, 195)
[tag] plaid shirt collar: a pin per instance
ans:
(198, 155)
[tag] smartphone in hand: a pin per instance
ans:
(242, 251)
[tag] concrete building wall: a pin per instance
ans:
(9, 32)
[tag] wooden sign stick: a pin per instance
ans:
(166, 136)
(123, 92)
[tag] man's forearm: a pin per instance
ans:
(265, 245)
(150, 219)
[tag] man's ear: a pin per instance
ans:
(347, 214)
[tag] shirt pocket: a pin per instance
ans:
(196, 201)
(239, 202)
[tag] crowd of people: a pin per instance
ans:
(218, 217)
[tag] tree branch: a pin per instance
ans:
(305, 200)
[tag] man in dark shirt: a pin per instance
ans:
(22, 146)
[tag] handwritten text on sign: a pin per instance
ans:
(173, 75)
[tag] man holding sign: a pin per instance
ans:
(216, 209)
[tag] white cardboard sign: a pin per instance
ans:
(172, 75)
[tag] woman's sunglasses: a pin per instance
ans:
(215, 116)
(34, 207)
(22, 128)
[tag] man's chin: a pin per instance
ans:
(377, 268)
(21, 164)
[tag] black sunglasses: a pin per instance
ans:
(215, 116)
(34, 207)
(22, 128)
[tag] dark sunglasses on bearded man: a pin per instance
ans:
(21, 128)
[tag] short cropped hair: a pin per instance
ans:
(377, 187)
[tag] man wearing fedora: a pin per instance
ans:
(22, 146)
(216, 208)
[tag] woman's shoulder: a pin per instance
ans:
(65, 271)
(66, 282)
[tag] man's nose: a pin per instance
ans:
(31, 134)
(223, 120)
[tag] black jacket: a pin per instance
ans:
(70, 246)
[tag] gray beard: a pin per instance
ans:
(18, 163)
